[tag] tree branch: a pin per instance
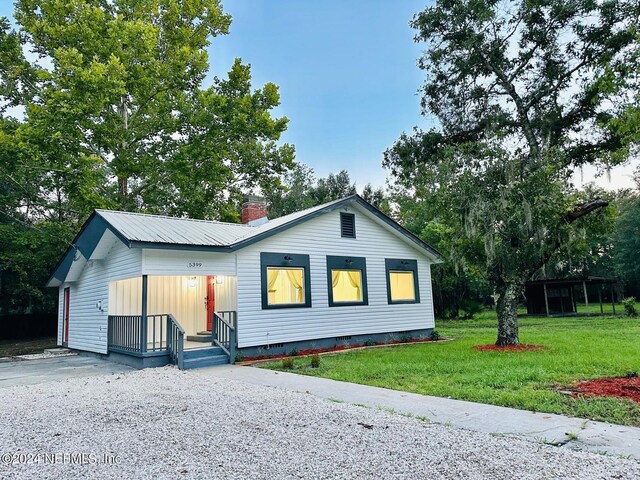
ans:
(583, 209)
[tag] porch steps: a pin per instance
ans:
(200, 337)
(204, 357)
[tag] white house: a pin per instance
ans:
(149, 290)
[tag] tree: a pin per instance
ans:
(524, 93)
(300, 189)
(376, 197)
(122, 99)
(112, 113)
(333, 187)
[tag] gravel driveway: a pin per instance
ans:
(164, 423)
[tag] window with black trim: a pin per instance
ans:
(347, 281)
(347, 225)
(286, 280)
(402, 280)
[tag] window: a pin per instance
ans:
(285, 280)
(347, 281)
(402, 281)
(348, 225)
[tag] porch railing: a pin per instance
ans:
(125, 333)
(175, 341)
(163, 334)
(224, 332)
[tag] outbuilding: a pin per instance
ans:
(149, 290)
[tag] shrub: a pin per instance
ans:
(239, 357)
(435, 335)
(369, 343)
(470, 308)
(287, 363)
(629, 305)
(293, 352)
(405, 338)
(315, 361)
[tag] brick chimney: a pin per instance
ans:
(253, 208)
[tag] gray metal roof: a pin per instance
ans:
(140, 227)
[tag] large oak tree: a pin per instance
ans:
(522, 94)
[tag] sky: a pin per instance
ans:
(347, 75)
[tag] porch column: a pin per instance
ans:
(143, 323)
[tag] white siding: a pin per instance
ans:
(320, 237)
(177, 262)
(87, 323)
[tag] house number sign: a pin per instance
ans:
(194, 265)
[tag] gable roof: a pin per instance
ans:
(138, 230)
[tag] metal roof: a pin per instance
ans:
(155, 231)
(140, 227)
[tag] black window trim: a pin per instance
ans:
(402, 265)
(353, 222)
(284, 260)
(335, 262)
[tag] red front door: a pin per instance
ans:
(65, 317)
(211, 301)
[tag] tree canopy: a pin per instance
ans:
(102, 104)
(523, 94)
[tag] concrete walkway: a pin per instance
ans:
(31, 372)
(568, 432)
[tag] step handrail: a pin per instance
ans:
(175, 341)
(224, 333)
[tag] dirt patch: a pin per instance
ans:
(621, 387)
(522, 347)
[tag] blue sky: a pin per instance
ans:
(346, 70)
(347, 75)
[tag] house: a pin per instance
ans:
(148, 290)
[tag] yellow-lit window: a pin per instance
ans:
(402, 286)
(285, 286)
(347, 286)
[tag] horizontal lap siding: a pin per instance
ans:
(176, 262)
(87, 324)
(318, 238)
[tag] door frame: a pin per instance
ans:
(211, 302)
(66, 303)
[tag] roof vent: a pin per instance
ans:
(348, 225)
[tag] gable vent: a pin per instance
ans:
(348, 225)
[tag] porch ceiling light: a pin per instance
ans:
(192, 281)
(219, 279)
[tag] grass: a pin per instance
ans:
(10, 348)
(578, 348)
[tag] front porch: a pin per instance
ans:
(186, 320)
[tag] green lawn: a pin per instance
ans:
(577, 348)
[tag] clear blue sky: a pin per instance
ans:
(346, 70)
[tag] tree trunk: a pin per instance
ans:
(507, 310)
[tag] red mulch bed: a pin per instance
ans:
(622, 387)
(522, 347)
